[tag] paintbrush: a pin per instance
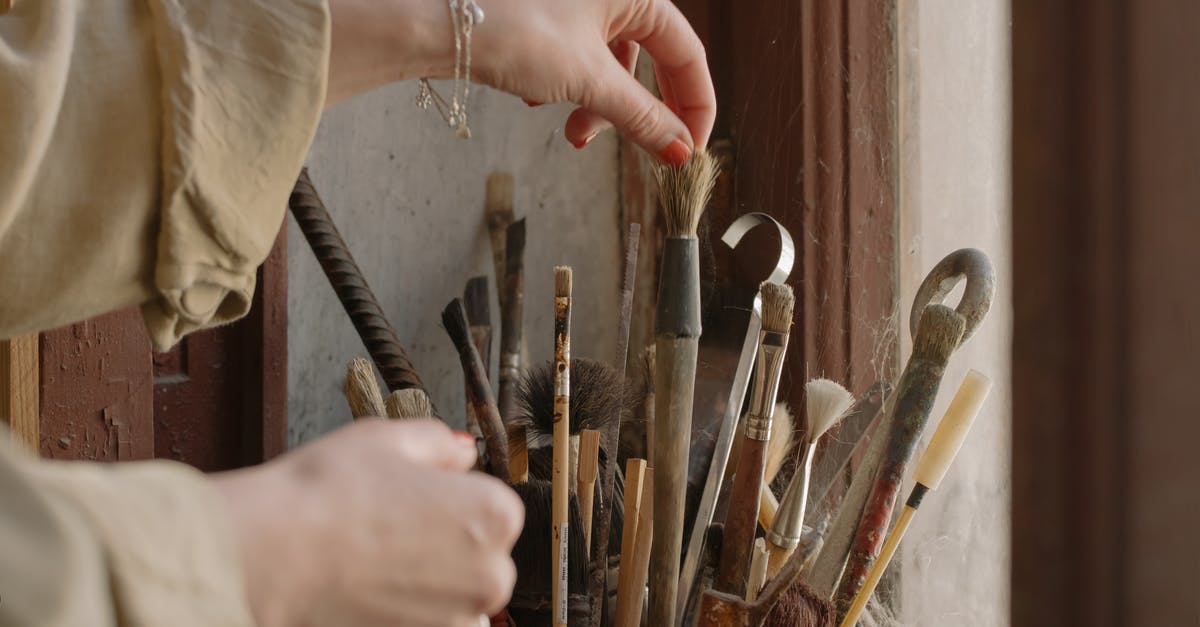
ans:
(562, 420)
(479, 393)
(362, 391)
(598, 584)
(934, 338)
(741, 521)
(632, 582)
(531, 599)
(410, 403)
(475, 301)
(932, 467)
(683, 194)
(784, 602)
(827, 403)
(352, 290)
(512, 311)
(758, 569)
(498, 211)
(585, 483)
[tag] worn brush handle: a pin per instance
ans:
(512, 311)
(479, 396)
(675, 384)
(742, 519)
(347, 279)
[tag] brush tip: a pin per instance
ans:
(499, 197)
(408, 403)
(827, 403)
(684, 192)
(454, 318)
(562, 281)
(778, 302)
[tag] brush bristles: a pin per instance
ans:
(827, 403)
(475, 299)
(454, 318)
(500, 197)
(778, 302)
(410, 403)
(362, 390)
(780, 445)
(562, 281)
(684, 192)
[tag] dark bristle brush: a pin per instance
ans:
(479, 393)
(531, 599)
(479, 317)
(352, 290)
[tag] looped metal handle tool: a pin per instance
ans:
(741, 381)
(966, 264)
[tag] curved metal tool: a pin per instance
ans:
(733, 408)
(966, 264)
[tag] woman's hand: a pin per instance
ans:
(379, 523)
(580, 51)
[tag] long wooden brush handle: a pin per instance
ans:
(636, 559)
(511, 286)
(560, 488)
(479, 393)
(347, 280)
(585, 484)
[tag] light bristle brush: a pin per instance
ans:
(827, 403)
(683, 192)
(362, 390)
(410, 403)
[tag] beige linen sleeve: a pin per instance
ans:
(147, 149)
(131, 544)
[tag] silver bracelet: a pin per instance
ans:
(464, 15)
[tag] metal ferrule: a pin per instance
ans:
(510, 365)
(769, 364)
(789, 519)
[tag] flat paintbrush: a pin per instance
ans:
(562, 419)
(479, 393)
(827, 403)
(512, 311)
(684, 192)
(741, 521)
(498, 211)
(932, 467)
(475, 301)
(410, 403)
(362, 391)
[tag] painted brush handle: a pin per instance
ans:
(479, 395)
(915, 396)
(347, 279)
(742, 519)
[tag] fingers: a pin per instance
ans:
(582, 125)
(425, 442)
(680, 64)
(617, 96)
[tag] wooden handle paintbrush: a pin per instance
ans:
(562, 421)
(512, 311)
(475, 301)
(683, 193)
(479, 393)
(932, 467)
(498, 211)
(351, 287)
(362, 391)
(742, 519)
(827, 403)
(636, 557)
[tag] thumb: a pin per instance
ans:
(428, 442)
(618, 97)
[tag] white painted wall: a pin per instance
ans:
(408, 198)
(954, 122)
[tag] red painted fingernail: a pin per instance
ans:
(464, 438)
(675, 153)
(532, 103)
(585, 141)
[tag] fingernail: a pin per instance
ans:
(531, 103)
(464, 438)
(675, 153)
(585, 141)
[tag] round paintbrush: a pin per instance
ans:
(741, 521)
(475, 301)
(410, 403)
(479, 393)
(362, 390)
(512, 310)
(932, 467)
(562, 419)
(684, 192)
(827, 403)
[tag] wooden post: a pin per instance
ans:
(19, 380)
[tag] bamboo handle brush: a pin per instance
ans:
(741, 521)
(585, 486)
(827, 403)
(562, 412)
(598, 583)
(512, 311)
(943, 448)
(683, 193)
(479, 393)
(362, 391)
(351, 287)
(635, 562)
